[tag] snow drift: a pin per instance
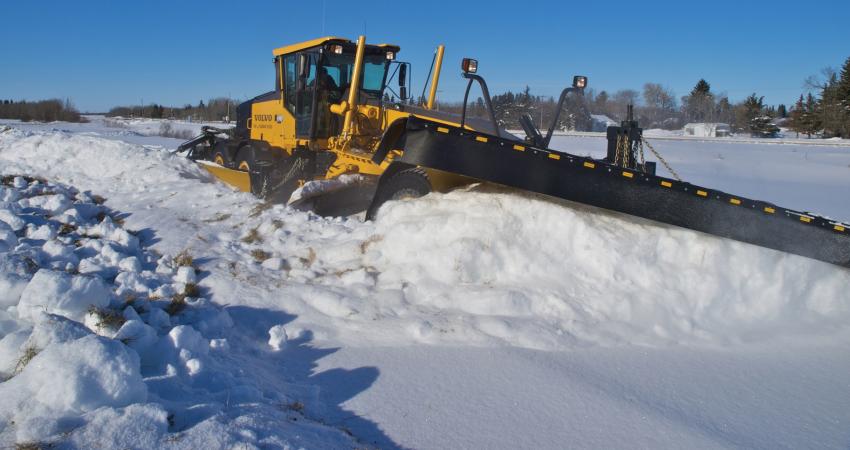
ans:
(524, 261)
(101, 339)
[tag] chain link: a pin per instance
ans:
(660, 158)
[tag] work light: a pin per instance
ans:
(579, 82)
(469, 65)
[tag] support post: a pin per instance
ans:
(438, 64)
(354, 89)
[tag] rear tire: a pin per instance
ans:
(403, 185)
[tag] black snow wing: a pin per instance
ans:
(597, 183)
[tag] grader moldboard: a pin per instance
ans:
(330, 114)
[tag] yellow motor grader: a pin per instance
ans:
(333, 112)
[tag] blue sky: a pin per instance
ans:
(105, 53)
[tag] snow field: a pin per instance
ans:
(458, 286)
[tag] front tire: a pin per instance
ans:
(218, 157)
(403, 185)
(246, 161)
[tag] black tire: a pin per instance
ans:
(219, 158)
(246, 161)
(403, 185)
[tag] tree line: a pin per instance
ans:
(655, 106)
(42, 111)
(214, 110)
(827, 111)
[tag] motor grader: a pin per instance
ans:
(333, 112)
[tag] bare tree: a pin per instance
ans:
(820, 81)
(619, 102)
(659, 105)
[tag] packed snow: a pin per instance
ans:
(144, 304)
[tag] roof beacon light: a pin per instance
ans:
(469, 65)
(579, 82)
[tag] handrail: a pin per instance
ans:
(486, 94)
(561, 100)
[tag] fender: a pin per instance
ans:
(393, 137)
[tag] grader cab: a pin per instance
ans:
(334, 111)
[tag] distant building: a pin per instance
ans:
(708, 129)
(601, 122)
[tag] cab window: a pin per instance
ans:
(289, 64)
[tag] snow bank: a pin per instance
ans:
(91, 158)
(491, 267)
(594, 276)
(66, 380)
(105, 343)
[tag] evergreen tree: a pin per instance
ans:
(831, 111)
(600, 104)
(843, 87)
(748, 111)
(724, 112)
(762, 126)
(781, 111)
(795, 121)
(699, 105)
(702, 88)
(842, 93)
(811, 118)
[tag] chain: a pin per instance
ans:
(642, 159)
(622, 157)
(660, 158)
(617, 151)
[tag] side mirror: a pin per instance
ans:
(402, 81)
(579, 82)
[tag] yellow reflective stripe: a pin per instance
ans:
(589, 165)
(628, 174)
(839, 228)
(734, 201)
(769, 210)
(702, 193)
(480, 138)
(666, 184)
(805, 219)
(554, 156)
(442, 129)
(519, 148)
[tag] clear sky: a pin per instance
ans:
(105, 53)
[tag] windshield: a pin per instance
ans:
(339, 69)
